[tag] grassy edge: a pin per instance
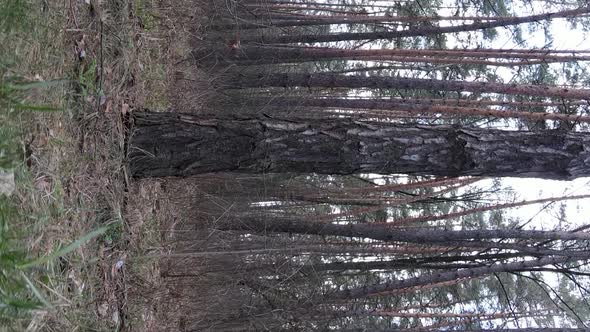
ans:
(113, 56)
(63, 224)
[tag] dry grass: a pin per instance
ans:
(116, 57)
(144, 217)
(161, 58)
(74, 180)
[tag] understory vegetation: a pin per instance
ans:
(60, 202)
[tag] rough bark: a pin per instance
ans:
(167, 144)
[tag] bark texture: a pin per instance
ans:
(172, 144)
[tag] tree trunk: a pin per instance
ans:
(445, 276)
(422, 31)
(260, 224)
(473, 239)
(291, 20)
(530, 329)
(268, 54)
(434, 262)
(412, 107)
(261, 80)
(167, 144)
(450, 215)
(277, 59)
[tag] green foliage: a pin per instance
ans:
(9, 147)
(112, 234)
(12, 95)
(87, 80)
(16, 300)
(20, 96)
(14, 15)
(19, 294)
(65, 250)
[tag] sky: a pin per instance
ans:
(526, 188)
(577, 211)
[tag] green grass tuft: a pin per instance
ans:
(17, 298)
(14, 16)
(38, 251)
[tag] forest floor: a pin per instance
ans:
(115, 57)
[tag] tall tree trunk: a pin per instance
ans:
(167, 144)
(394, 202)
(422, 31)
(473, 239)
(290, 100)
(410, 107)
(260, 80)
(292, 20)
(268, 54)
(260, 224)
(277, 59)
(526, 329)
(311, 4)
(445, 276)
(421, 219)
(480, 102)
(433, 262)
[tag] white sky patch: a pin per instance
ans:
(541, 216)
(564, 38)
(577, 212)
